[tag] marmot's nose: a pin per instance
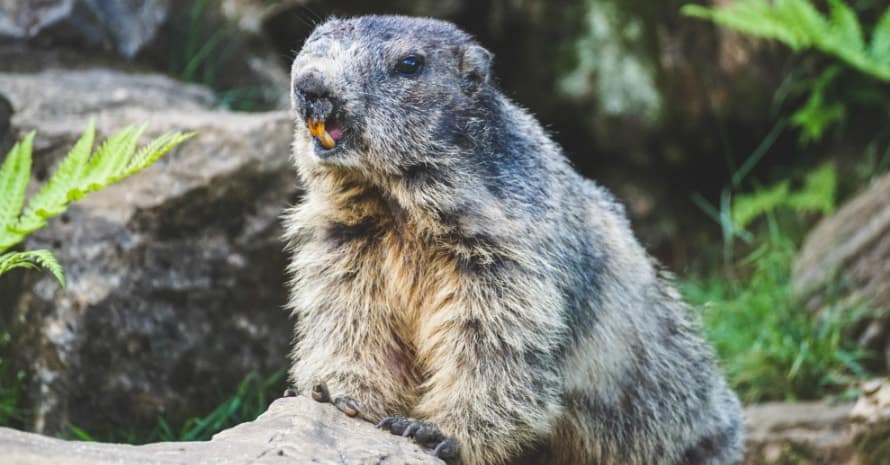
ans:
(311, 86)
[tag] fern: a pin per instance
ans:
(799, 25)
(816, 195)
(32, 260)
(81, 172)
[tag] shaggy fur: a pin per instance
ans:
(449, 265)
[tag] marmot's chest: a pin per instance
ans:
(417, 280)
(411, 280)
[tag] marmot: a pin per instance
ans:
(454, 277)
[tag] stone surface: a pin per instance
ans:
(848, 254)
(300, 431)
(175, 275)
(820, 433)
(124, 26)
(294, 431)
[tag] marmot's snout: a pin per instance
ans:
(320, 108)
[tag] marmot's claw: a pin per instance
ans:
(425, 434)
(449, 451)
(289, 392)
(347, 405)
(320, 393)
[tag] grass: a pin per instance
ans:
(249, 400)
(12, 414)
(769, 346)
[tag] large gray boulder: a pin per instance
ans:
(176, 282)
(294, 431)
(124, 26)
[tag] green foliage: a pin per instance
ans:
(81, 172)
(771, 348)
(816, 195)
(839, 34)
(799, 25)
(11, 382)
(250, 399)
(818, 114)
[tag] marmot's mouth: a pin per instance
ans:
(327, 132)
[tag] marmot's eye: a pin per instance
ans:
(409, 65)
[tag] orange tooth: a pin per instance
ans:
(316, 128)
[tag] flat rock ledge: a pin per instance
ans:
(294, 430)
(297, 430)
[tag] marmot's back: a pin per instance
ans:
(450, 266)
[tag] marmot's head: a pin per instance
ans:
(388, 96)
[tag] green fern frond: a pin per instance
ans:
(817, 115)
(816, 195)
(154, 150)
(32, 260)
(14, 176)
(748, 207)
(52, 200)
(880, 40)
(82, 171)
(818, 191)
(845, 29)
(111, 156)
(799, 25)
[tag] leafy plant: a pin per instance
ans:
(81, 172)
(816, 195)
(250, 399)
(799, 25)
(11, 382)
(839, 34)
(770, 348)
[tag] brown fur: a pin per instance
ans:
(449, 265)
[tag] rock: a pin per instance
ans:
(199, 42)
(297, 430)
(294, 431)
(873, 406)
(124, 26)
(847, 256)
(798, 433)
(818, 433)
(175, 275)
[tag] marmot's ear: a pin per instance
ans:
(475, 67)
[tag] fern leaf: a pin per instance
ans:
(755, 17)
(107, 158)
(802, 17)
(816, 116)
(52, 199)
(880, 41)
(14, 176)
(746, 208)
(154, 150)
(818, 191)
(32, 260)
(799, 25)
(122, 159)
(845, 27)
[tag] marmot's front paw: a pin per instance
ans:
(345, 404)
(426, 434)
